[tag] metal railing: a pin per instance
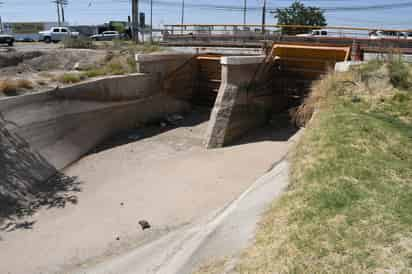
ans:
(269, 30)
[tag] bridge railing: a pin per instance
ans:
(270, 30)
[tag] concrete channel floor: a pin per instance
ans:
(167, 179)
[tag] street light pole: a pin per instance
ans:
(183, 13)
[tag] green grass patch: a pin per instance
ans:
(70, 78)
(349, 206)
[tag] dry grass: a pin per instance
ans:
(24, 84)
(11, 87)
(349, 206)
(46, 74)
(41, 82)
(116, 64)
(213, 267)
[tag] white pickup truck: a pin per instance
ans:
(56, 34)
(315, 33)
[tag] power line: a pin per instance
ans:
(274, 8)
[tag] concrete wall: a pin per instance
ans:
(161, 64)
(112, 88)
(235, 111)
(63, 125)
(175, 73)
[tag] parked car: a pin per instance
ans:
(7, 39)
(380, 34)
(56, 34)
(314, 33)
(106, 36)
(408, 35)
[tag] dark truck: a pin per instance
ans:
(6, 39)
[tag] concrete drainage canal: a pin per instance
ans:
(132, 150)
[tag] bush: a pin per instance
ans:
(8, 87)
(11, 87)
(368, 70)
(24, 84)
(399, 73)
(78, 43)
(95, 72)
(70, 78)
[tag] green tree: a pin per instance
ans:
(299, 14)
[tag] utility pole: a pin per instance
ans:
(58, 12)
(263, 16)
(183, 13)
(151, 21)
(62, 4)
(63, 19)
(1, 22)
(244, 11)
(135, 20)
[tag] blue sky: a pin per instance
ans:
(100, 11)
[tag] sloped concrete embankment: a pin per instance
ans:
(43, 133)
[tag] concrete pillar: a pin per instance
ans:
(233, 114)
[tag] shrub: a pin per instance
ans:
(11, 87)
(95, 72)
(70, 78)
(78, 43)
(399, 73)
(41, 82)
(115, 68)
(25, 84)
(8, 87)
(368, 70)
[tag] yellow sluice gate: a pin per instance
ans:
(310, 61)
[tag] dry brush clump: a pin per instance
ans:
(78, 43)
(373, 81)
(11, 87)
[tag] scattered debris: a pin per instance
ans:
(173, 118)
(144, 224)
(355, 99)
(76, 66)
(135, 136)
(12, 226)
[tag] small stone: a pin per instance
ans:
(144, 224)
(118, 238)
(122, 204)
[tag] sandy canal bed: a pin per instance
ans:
(168, 179)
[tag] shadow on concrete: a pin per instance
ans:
(197, 116)
(28, 182)
(280, 128)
